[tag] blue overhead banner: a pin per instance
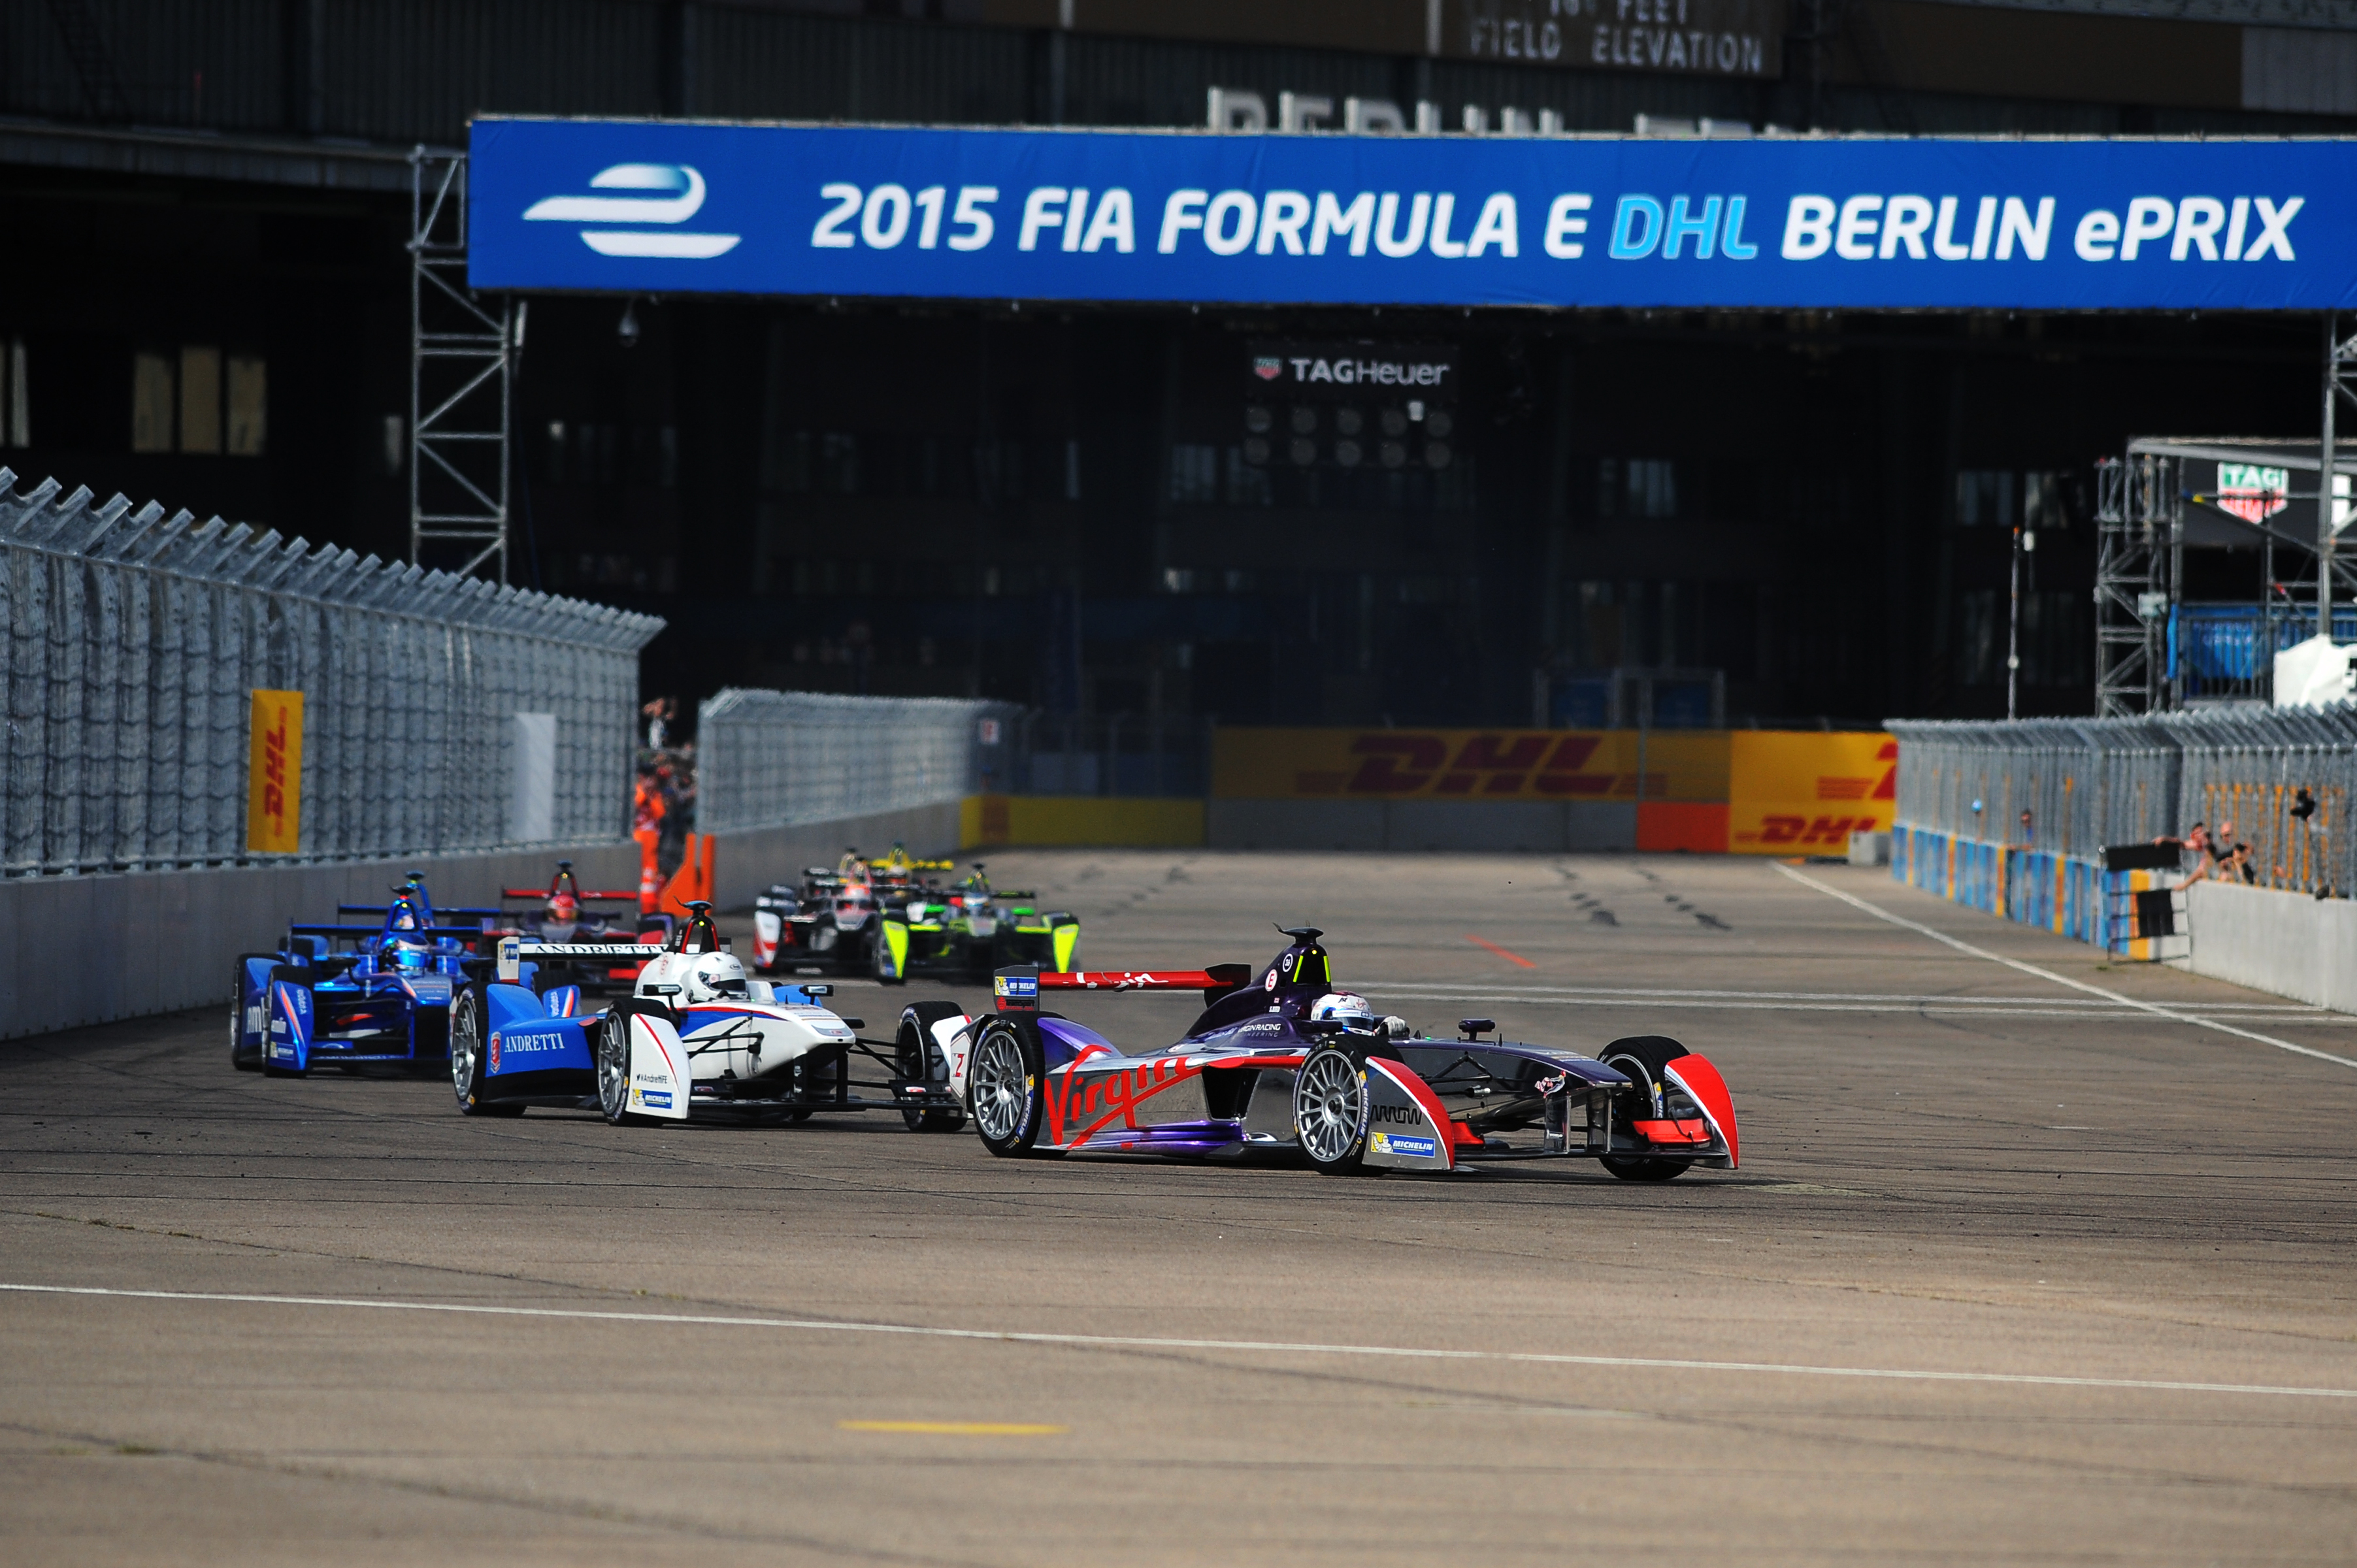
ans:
(1789, 222)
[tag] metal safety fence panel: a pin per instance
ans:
(134, 639)
(2281, 780)
(776, 759)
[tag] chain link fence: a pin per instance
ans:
(2285, 779)
(134, 640)
(777, 759)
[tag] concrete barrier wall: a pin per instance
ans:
(1526, 826)
(91, 950)
(2288, 943)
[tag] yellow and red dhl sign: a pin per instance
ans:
(1799, 793)
(274, 801)
(1786, 792)
(1490, 765)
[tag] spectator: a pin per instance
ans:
(661, 714)
(2196, 839)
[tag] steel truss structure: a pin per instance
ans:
(2149, 509)
(462, 358)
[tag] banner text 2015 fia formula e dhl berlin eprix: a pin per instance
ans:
(1772, 222)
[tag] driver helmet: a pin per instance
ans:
(563, 908)
(1347, 1009)
(716, 977)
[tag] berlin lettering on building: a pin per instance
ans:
(1700, 37)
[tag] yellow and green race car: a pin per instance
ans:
(970, 931)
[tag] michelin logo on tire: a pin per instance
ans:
(672, 193)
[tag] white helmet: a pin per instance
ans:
(716, 977)
(1346, 1007)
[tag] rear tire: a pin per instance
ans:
(915, 1059)
(1329, 1112)
(1006, 1089)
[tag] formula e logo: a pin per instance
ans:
(674, 192)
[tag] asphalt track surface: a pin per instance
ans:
(2016, 1270)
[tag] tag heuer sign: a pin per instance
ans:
(1354, 371)
(2253, 493)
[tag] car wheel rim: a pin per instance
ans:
(613, 1070)
(1001, 1087)
(464, 1044)
(1329, 1105)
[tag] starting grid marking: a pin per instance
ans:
(2148, 1009)
(1143, 1342)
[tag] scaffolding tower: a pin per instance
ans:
(2138, 547)
(462, 355)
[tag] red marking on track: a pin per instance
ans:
(1508, 957)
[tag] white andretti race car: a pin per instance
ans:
(695, 1038)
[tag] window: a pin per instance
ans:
(2044, 501)
(1980, 653)
(838, 464)
(248, 405)
(201, 397)
(1194, 475)
(1985, 498)
(153, 422)
(1636, 488)
(18, 429)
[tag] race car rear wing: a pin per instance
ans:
(385, 908)
(541, 893)
(514, 950)
(1018, 989)
(457, 933)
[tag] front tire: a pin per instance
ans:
(1642, 1059)
(1006, 1090)
(1329, 1112)
(879, 964)
(614, 1069)
(915, 1053)
(469, 1066)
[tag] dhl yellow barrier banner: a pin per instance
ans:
(1795, 792)
(1483, 765)
(274, 795)
(1748, 791)
(1114, 821)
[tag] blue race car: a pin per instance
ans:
(346, 995)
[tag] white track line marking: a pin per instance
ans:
(2092, 1011)
(2154, 1008)
(1130, 1341)
(2300, 1009)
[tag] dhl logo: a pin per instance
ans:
(1836, 787)
(1396, 763)
(273, 773)
(1079, 1104)
(1801, 831)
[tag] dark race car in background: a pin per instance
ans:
(969, 930)
(1282, 1061)
(828, 923)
